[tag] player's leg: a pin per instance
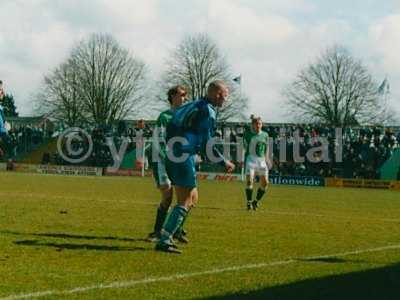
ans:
(250, 168)
(264, 182)
(180, 234)
(166, 191)
(263, 173)
(195, 198)
(183, 177)
(249, 171)
(175, 219)
(249, 187)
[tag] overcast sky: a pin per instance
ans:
(266, 41)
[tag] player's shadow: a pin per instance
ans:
(332, 260)
(70, 246)
(375, 284)
(77, 236)
(77, 246)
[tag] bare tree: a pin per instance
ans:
(337, 90)
(99, 83)
(59, 98)
(195, 63)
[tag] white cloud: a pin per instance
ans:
(242, 27)
(266, 41)
(282, 7)
(268, 50)
(36, 36)
(385, 38)
(128, 12)
(384, 42)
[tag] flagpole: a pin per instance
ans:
(240, 83)
(386, 90)
(386, 94)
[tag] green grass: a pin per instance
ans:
(58, 233)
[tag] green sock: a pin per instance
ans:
(174, 221)
(180, 229)
(260, 193)
(160, 218)
(249, 194)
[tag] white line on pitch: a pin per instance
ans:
(128, 284)
(332, 216)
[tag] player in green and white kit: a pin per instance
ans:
(176, 97)
(256, 158)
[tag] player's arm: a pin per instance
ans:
(204, 131)
(159, 137)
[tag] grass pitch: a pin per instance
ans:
(83, 238)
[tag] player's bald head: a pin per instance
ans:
(216, 85)
(217, 93)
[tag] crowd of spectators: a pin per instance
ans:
(361, 155)
(22, 140)
(101, 155)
